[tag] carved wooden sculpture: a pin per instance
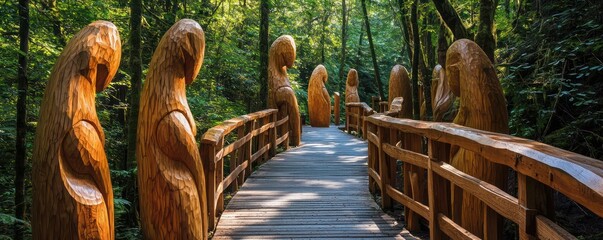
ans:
(72, 194)
(319, 101)
(482, 106)
(351, 87)
(171, 181)
(399, 86)
(442, 96)
(280, 94)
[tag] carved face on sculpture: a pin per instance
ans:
(283, 48)
(98, 67)
(352, 80)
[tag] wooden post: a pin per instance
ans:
(250, 126)
(261, 139)
(220, 177)
(437, 188)
(359, 114)
(239, 159)
(208, 154)
(336, 108)
(413, 179)
(538, 199)
(347, 118)
(287, 130)
(373, 154)
(384, 165)
(272, 134)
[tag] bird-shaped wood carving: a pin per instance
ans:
(442, 96)
(280, 94)
(72, 193)
(482, 106)
(399, 86)
(319, 101)
(171, 180)
(351, 87)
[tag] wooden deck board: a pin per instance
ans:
(318, 190)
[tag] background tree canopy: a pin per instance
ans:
(549, 58)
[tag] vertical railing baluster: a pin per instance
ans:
(437, 188)
(272, 133)
(249, 126)
(371, 159)
(208, 151)
(336, 103)
(347, 118)
(384, 165)
(537, 199)
(220, 177)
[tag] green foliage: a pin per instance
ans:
(550, 60)
(552, 81)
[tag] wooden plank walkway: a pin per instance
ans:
(318, 190)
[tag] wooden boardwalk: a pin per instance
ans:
(318, 190)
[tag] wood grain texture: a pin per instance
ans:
(399, 86)
(319, 101)
(442, 96)
(482, 106)
(351, 87)
(72, 193)
(317, 190)
(171, 181)
(280, 94)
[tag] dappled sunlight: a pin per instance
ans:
(316, 190)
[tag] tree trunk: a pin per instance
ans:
(443, 43)
(372, 48)
(359, 53)
(323, 35)
(136, 76)
(264, 11)
(405, 28)
(20, 154)
(344, 26)
(485, 37)
(415, 60)
(426, 62)
(452, 19)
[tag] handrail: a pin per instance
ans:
(538, 166)
(258, 135)
(354, 116)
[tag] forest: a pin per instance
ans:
(548, 56)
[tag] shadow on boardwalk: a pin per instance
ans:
(318, 190)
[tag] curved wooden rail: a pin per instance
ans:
(537, 165)
(257, 137)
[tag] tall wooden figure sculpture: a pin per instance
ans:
(399, 86)
(280, 94)
(319, 101)
(442, 98)
(72, 194)
(351, 87)
(171, 181)
(482, 106)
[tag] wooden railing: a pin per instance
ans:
(354, 116)
(539, 167)
(256, 136)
